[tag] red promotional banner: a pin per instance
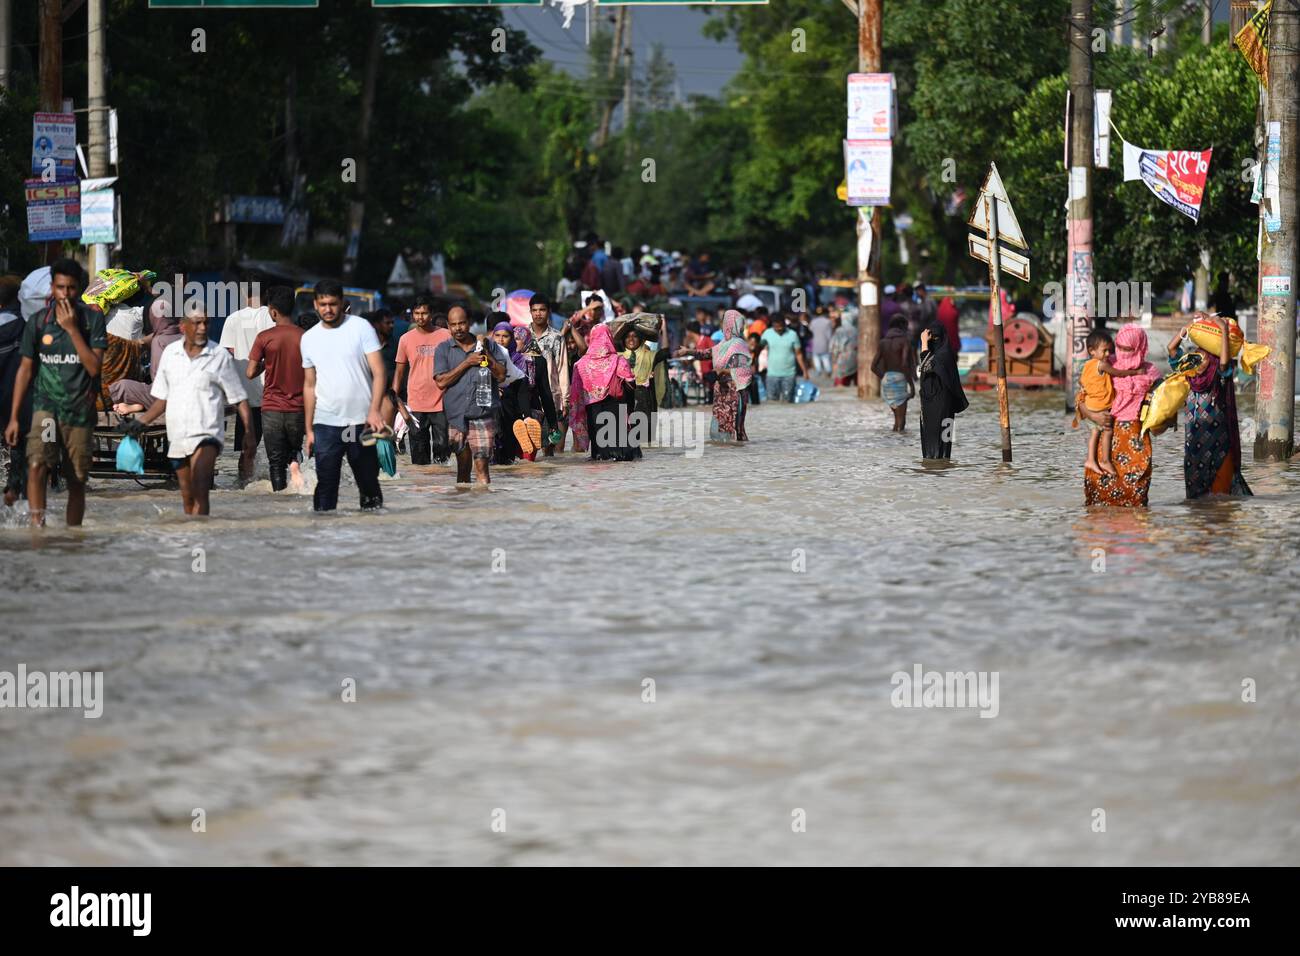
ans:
(1176, 176)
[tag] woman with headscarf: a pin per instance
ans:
(1130, 450)
(733, 362)
(526, 401)
(126, 394)
(650, 375)
(1212, 436)
(844, 352)
(947, 315)
(942, 397)
(599, 399)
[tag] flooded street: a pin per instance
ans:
(521, 690)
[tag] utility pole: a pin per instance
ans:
(51, 56)
(97, 72)
(6, 38)
(1207, 21)
(627, 78)
(871, 54)
(1274, 397)
(1079, 278)
(611, 100)
(51, 79)
(357, 208)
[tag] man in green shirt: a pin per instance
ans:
(62, 349)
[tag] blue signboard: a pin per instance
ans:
(258, 210)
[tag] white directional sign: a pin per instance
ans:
(1008, 226)
(1012, 263)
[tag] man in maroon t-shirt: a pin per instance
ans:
(277, 350)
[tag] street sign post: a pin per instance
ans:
(993, 214)
(228, 4)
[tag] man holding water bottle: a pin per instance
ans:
(470, 369)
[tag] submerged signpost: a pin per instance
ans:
(993, 215)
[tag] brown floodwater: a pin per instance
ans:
(500, 643)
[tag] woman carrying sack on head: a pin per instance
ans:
(1212, 436)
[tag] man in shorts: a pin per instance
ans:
(470, 369)
(62, 348)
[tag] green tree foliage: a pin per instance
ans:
(198, 125)
(1204, 98)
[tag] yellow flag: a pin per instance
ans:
(1252, 41)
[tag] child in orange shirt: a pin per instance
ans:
(1096, 392)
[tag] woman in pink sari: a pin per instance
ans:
(1130, 451)
(599, 401)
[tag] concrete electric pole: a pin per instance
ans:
(1079, 279)
(1274, 398)
(871, 53)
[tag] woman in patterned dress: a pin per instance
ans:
(1130, 451)
(1212, 436)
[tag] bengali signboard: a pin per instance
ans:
(870, 106)
(867, 168)
(53, 210)
(257, 210)
(54, 141)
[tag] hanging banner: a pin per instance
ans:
(870, 106)
(53, 210)
(1252, 41)
(98, 218)
(54, 146)
(1176, 176)
(1271, 192)
(867, 169)
(1101, 129)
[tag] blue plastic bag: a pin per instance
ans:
(805, 391)
(130, 456)
(387, 456)
(762, 387)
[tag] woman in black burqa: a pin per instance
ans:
(942, 398)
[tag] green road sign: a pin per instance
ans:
(228, 4)
(456, 3)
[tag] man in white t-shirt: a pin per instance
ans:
(343, 385)
(237, 337)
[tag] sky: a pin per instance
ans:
(703, 65)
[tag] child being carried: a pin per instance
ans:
(1096, 393)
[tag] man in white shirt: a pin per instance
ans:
(194, 381)
(237, 337)
(343, 386)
